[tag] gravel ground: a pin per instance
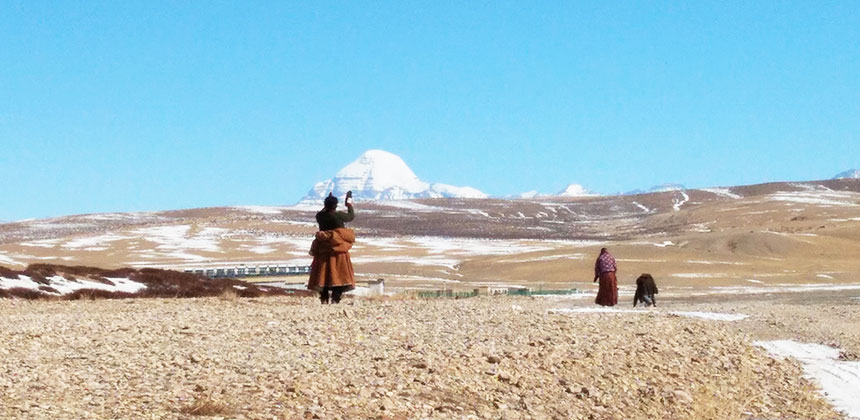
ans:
(286, 358)
(829, 318)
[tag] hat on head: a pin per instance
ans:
(330, 202)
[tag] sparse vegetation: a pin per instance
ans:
(159, 283)
(206, 405)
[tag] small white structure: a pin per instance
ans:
(376, 287)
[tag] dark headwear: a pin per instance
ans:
(330, 202)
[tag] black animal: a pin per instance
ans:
(646, 289)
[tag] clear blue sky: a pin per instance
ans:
(148, 105)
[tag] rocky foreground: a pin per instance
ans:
(286, 358)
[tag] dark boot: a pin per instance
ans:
(324, 296)
(336, 294)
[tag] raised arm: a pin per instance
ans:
(348, 216)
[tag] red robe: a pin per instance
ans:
(607, 294)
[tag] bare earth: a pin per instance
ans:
(501, 357)
(786, 254)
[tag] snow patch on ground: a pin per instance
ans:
(408, 205)
(711, 316)
(5, 259)
(64, 286)
(723, 192)
(479, 213)
(262, 249)
(677, 203)
(90, 242)
(837, 199)
(430, 261)
(475, 247)
(716, 262)
(777, 288)
(261, 209)
(543, 258)
(177, 237)
(43, 243)
(645, 209)
(839, 380)
(700, 275)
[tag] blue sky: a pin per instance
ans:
(123, 106)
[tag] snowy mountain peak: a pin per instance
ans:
(575, 190)
(381, 175)
(378, 170)
(851, 173)
(658, 188)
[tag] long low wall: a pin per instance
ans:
(251, 271)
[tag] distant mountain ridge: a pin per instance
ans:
(658, 188)
(851, 174)
(378, 175)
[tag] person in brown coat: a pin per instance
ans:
(331, 269)
(604, 270)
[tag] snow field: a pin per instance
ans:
(64, 286)
(839, 380)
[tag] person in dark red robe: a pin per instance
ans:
(604, 270)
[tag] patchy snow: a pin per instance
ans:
(678, 202)
(5, 259)
(645, 209)
(664, 244)
(755, 281)
(577, 256)
(90, 242)
(263, 249)
(405, 259)
(476, 247)
(479, 213)
(723, 192)
(409, 205)
(64, 286)
(825, 276)
(700, 275)
(711, 316)
(839, 380)
(716, 262)
(261, 209)
(122, 216)
(43, 243)
(306, 206)
(779, 288)
(176, 237)
(821, 198)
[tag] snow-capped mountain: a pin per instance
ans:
(575, 190)
(381, 176)
(851, 173)
(658, 188)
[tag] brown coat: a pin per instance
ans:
(331, 266)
